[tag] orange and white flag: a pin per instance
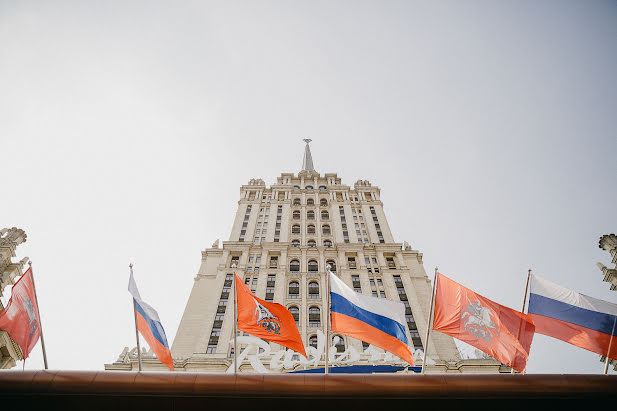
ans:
(269, 321)
(501, 332)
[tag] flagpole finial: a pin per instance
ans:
(329, 268)
(30, 263)
(130, 265)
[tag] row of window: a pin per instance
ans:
(310, 229)
(310, 215)
(311, 243)
(294, 265)
(309, 188)
(310, 201)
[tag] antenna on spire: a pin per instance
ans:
(307, 162)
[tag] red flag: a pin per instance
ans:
(20, 318)
(269, 321)
(501, 332)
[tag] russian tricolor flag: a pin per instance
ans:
(150, 327)
(377, 321)
(575, 318)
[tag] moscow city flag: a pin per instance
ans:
(268, 321)
(20, 318)
(501, 332)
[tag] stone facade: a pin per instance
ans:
(608, 242)
(281, 240)
(10, 238)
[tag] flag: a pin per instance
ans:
(150, 327)
(501, 332)
(20, 318)
(575, 318)
(377, 321)
(269, 321)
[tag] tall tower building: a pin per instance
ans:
(282, 238)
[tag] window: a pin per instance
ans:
(351, 261)
(309, 187)
(374, 293)
(312, 266)
(332, 265)
(310, 229)
(296, 201)
(372, 282)
(211, 349)
(219, 317)
(294, 266)
(234, 260)
(274, 262)
(310, 201)
(296, 215)
(313, 341)
(295, 243)
(295, 313)
(325, 215)
(313, 289)
(310, 215)
(390, 263)
(216, 331)
(295, 229)
(339, 343)
(296, 188)
(322, 188)
(323, 202)
(311, 243)
(382, 294)
(314, 317)
(327, 243)
(294, 289)
(325, 230)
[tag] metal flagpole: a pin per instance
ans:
(430, 322)
(327, 323)
(609, 348)
(235, 322)
(39, 315)
(522, 310)
(136, 332)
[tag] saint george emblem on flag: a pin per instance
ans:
(575, 318)
(150, 327)
(269, 321)
(501, 332)
(377, 321)
(20, 318)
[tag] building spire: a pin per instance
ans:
(307, 162)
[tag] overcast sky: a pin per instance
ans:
(127, 128)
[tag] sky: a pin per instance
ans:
(127, 128)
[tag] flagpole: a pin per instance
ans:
(430, 322)
(39, 315)
(327, 323)
(136, 332)
(607, 360)
(522, 310)
(235, 322)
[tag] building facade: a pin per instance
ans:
(608, 242)
(283, 237)
(10, 239)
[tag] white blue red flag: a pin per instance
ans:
(377, 321)
(150, 327)
(575, 318)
